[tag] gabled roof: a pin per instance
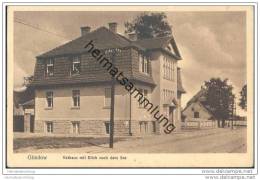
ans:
(155, 43)
(28, 103)
(102, 38)
(19, 97)
(199, 96)
(161, 43)
(206, 108)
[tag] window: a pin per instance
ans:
(75, 68)
(140, 63)
(49, 127)
(164, 65)
(168, 69)
(154, 126)
(172, 70)
(143, 64)
(163, 94)
(146, 127)
(144, 92)
(76, 98)
(196, 114)
(107, 100)
(49, 99)
(143, 127)
(107, 126)
(75, 127)
(167, 94)
(49, 68)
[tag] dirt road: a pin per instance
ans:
(222, 141)
(196, 141)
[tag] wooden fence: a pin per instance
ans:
(199, 123)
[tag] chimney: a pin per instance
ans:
(132, 36)
(113, 27)
(85, 30)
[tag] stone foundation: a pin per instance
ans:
(98, 127)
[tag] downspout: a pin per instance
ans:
(130, 115)
(130, 99)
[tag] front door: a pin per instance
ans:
(32, 123)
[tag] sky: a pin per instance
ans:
(212, 44)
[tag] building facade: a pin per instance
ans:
(197, 111)
(73, 92)
(23, 110)
(197, 114)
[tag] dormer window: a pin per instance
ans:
(75, 68)
(49, 67)
(143, 64)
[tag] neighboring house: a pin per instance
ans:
(28, 108)
(18, 118)
(23, 110)
(72, 90)
(197, 111)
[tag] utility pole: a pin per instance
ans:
(112, 106)
(130, 115)
(112, 53)
(233, 112)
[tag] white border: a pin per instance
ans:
(197, 171)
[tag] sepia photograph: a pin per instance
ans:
(146, 81)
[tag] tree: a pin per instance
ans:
(219, 99)
(149, 25)
(243, 98)
(27, 81)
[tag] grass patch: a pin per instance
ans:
(60, 142)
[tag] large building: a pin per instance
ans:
(72, 90)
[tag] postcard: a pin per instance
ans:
(130, 86)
